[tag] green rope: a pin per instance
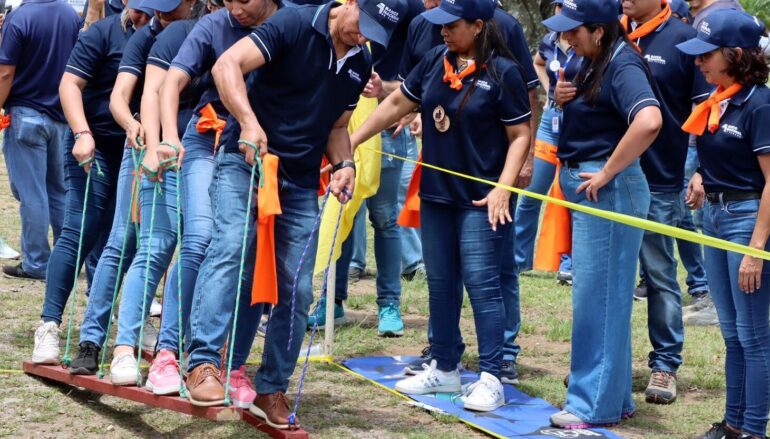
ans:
(67, 360)
(179, 279)
(155, 190)
(118, 278)
(257, 164)
(137, 187)
(257, 160)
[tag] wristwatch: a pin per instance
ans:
(344, 164)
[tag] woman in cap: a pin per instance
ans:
(611, 116)
(733, 129)
(85, 92)
(473, 92)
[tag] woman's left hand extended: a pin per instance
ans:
(594, 182)
(498, 206)
(750, 274)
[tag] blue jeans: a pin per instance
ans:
(106, 275)
(509, 284)
(528, 210)
(690, 166)
(157, 243)
(664, 298)
(34, 149)
(690, 252)
(743, 318)
(411, 246)
(460, 248)
(383, 213)
(605, 254)
(358, 237)
(215, 293)
(99, 217)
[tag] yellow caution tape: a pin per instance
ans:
(645, 224)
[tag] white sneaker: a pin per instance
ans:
(6, 252)
(123, 370)
(46, 350)
(150, 337)
(484, 395)
(156, 308)
(430, 380)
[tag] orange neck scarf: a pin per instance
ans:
(265, 282)
(706, 114)
(455, 79)
(649, 27)
(210, 121)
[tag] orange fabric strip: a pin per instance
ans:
(208, 121)
(410, 214)
(555, 233)
(455, 80)
(546, 152)
(135, 188)
(264, 287)
(323, 183)
(5, 121)
(649, 27)
(706, 114)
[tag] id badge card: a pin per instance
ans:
(556, 122)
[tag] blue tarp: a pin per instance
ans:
(521, 417)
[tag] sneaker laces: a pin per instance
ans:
(660, 379)
(425, 353)
(165, 362)
(238, 379)
(207, 371)
(321, 304)
(119, 360)
(49, 335)
(390, 313)
(87, 350)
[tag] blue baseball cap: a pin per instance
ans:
(679, 7)
(575, 13)
(450, 11)
(724, 28)
(377, 19)
(139, 6)
(557, 2)
(161, 5)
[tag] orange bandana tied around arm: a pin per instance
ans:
(454, 79)
(264, 287)
(649, 27)
(5, 121)
(209, 120)
(410, 213)
(707, 114)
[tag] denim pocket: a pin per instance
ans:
(635, 188)
(28, 129)
(747, 208)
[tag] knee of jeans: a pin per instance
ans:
(384, 219)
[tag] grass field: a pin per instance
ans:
(337, 405)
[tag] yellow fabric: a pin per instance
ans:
(368, 161)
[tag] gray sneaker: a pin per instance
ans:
(662, 388)
(706, 316)
(508, 373)
(699, 301)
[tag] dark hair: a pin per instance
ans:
(489, 42)
(612, 33)
(747, 66)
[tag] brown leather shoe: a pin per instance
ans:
(205, 387)
(275, 410)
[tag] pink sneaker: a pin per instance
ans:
(242, 392)
(164, 376)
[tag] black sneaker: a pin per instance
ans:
(720, 431)
(640, 292)
(87, 362)
(415, 366)
(355, 274)
(18, 272)
(508, 373)
(564, 278)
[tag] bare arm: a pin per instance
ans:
(71, 96)
(750, 270)
(240, 59)
(525, 175)
(338, 149)
(7, 72)
(175, 81)
(386, 114)
(150, 117)
(639, 136)
(542, 72)
(121, 112)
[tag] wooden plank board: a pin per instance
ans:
(142, 396)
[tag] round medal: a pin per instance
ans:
(439, 114)
(442, 125)
(554, 66)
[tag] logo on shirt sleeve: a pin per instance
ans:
(655, 59)
(388, 13)
(354, 75)
(484, 85)
(732, 130)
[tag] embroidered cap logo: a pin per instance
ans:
(704, 27)
(570, 4)
(388, 13)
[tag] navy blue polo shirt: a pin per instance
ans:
(95, 58)
(138, 48)
(550, 50)
(161, 55)
(388, 60)
(208, 40)
(424, 36)
(679, 84)
(728, 157)
(476, 142)
(37, 38)
(303, 89)
(591, 131)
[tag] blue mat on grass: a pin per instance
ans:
(522, 417)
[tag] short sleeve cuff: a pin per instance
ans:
(762, 150)
(77, 71)
(646, 102)
(261, 45)
(516, 119)
(131, 69)
(411, 96)
(157, 62)
(183, 68)
(535, 83)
